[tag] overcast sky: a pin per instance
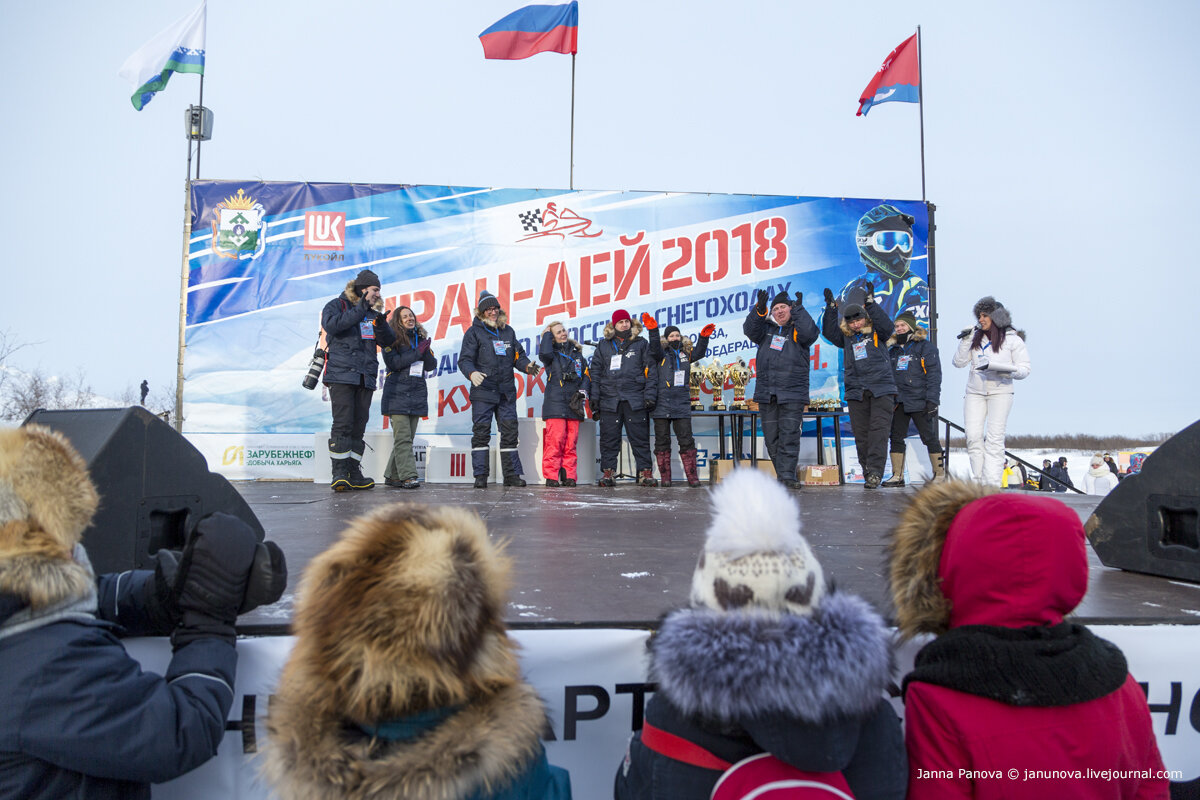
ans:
(1059, 148)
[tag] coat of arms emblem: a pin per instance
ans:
(238, 227)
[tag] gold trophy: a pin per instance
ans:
(695, 381)
(738, 374)
(714, 373)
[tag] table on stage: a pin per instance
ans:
(737, 433)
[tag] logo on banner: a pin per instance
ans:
(458, 465)
(540, 223)
(238, 227)
(324, 230)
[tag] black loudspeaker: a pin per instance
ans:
(154, 485)
(1151, 521)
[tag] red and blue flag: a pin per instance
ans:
(531, 30)
(897, 80)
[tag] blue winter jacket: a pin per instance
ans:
(634, 380)
(917, 371)
(566, 375)
(781, 366)
(496, 353)
(81, 718)
(403, 392)
(675, 401)
(352, 333)
(865, 360)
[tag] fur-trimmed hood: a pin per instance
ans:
(918, 335)
(634, 332)
(686, 347)
(966, 554)
(46, 502)
(403, 616)
(736, 665)
(501, 319)
(848, 331)
(353, 296)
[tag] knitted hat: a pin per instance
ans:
(909, 319)
(754, 556)
(366, 278)
(852, 311)
(487, 300)
(668, 331)
(619, 315)
(782, 297)
(1097, 461)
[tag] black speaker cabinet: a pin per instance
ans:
(1151, 522)
(154, 485)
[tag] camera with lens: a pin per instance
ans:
(315, 368)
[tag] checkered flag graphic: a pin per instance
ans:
(531, 219)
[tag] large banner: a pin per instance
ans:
(267, 257)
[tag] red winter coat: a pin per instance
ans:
(1017, 563)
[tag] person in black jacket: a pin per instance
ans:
(405, 394)
(567, 384)
(767, 658)
(354, 327)
(80, 716)
(862, 335)
(918, 374)
(623, 393)
(781, 376)
(490, 352)
(674, 407)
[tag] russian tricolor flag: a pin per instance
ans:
(897, 80)
(531, 30)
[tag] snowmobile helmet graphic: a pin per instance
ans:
(885, 240)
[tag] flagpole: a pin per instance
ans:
(571, 181)
(920, 108)
(201, 141)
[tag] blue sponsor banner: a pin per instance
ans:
(266, 257)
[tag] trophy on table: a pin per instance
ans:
(695, 381)
(739, 375)
(714, 373)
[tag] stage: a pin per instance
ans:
(620, 558)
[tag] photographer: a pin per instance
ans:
(354, 328)
(81, 718)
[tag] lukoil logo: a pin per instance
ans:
(324, 230)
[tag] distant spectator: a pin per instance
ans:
(1064, 477)
(1099, 479)
(1005, 474)
(1046, 482)
(1112, 465)
(145, 391)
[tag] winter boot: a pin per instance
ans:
(872, 481)
(357, 479)
(647, 478)
(607, 479)
(568, 481)
(939, 467)
(897, 478)
(481, 481)
(688, 457)
(553, 483)
(510, 462)
(341, 474)
(664, 467)
(514, 480)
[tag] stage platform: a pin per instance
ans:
(620, 558)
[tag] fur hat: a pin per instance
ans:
(852, 311)
(487, 300)
(754, 556)
(619, 315)
(366, 278)
(994, 309)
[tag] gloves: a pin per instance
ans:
(364, 305)
(931, 408)
(576, 404)
(870, 298)
(799, 299)
(212, 574)
(268, 577)
(596, 413)
(761, 305)
(532, 370)
(648, 322)
(829, 298)
(422, 347)
(477, 378)
(708, 330)
(650, 404)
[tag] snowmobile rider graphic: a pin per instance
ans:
(885, 245)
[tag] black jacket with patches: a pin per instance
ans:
(865, 355)
(566, 376)
(636, 380)
(495, 352)
(350, 350)
(674, 401)
(917, 371)
(781, 373)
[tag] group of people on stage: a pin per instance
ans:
(892, 379)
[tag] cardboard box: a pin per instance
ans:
(819, 476)
(719, 468)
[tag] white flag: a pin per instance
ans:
(179, 48)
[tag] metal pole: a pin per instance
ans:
(200, 142)
(571, 181)
(183, 285)
(920, 108)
